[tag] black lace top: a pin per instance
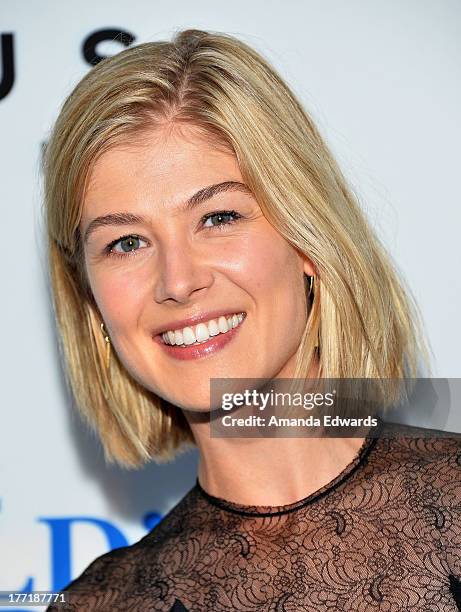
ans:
(385, 534)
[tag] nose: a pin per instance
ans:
(183, 271)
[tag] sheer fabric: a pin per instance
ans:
(385, 534)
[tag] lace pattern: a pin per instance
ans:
(385, 535)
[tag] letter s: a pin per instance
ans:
(91, 42)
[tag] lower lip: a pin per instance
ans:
(196, 351)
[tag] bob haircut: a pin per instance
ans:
(364, 321)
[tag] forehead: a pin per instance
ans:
(156, 172)
(163, 165)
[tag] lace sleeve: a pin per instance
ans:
(98, 588)
(445, 511)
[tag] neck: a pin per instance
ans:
(267, 471)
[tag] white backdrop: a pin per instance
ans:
(381, 79)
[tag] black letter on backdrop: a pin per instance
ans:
(7, 81)
(92, 41)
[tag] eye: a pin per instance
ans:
(129, 245)
(220, 218)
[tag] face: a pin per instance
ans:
(184, 260)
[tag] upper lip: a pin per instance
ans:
(193, 320)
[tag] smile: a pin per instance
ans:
(202, 332)
(201, 340)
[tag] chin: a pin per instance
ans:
(198, 401)
(193, 405)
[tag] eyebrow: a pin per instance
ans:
(128, 218)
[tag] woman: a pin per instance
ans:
(197, 219)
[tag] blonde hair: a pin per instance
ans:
(366, 323)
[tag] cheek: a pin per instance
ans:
(118, 297)
(265, 262)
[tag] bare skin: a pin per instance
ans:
(181, 264)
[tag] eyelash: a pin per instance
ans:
(236, 216)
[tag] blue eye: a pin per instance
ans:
(131, 242)
(223, 217)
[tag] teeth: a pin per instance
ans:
(188, 335)
(213, 327)
(203, 331)
(222, 324)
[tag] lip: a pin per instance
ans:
(200, 317)
(197, 351)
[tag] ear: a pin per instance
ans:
(308, 267)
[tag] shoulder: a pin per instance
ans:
(109, 580)
(425, 465)
(430, 475)
(420, 443)
(100, 584)
(421, 450)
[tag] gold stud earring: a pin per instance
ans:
(107, 339)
